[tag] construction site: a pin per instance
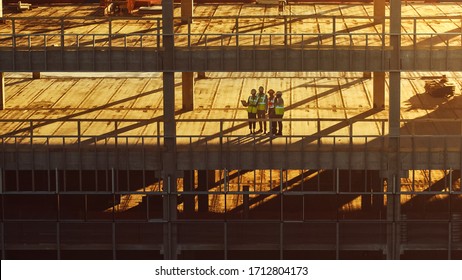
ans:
(123, 134)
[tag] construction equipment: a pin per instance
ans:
(23, 6)
(440, 88)
(121, 7)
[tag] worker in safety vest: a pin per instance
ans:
(279, 111)
(251, 105)
(262, 108)
(271, 111)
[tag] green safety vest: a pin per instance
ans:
(261, 103)
(252, 104)
(279, 109)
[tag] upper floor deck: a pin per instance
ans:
(245, 37)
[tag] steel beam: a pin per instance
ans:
(187, 85)
(187, 8)
(188, 199)
(169, 154)
(203, 60)
(379, 90)
(379, 11)
(2, 90)
(35, 75)
(394, 174)
(206, 179)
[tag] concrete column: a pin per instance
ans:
(394, 174)
(379, 11)
(169, 172)
(2, 90)
(206, 179)
(187, 7)
(379, 90)
(187, 85)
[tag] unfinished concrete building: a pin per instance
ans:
(122, 135)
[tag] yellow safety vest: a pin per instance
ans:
(261, 103)
(252, 104)
(279, 108)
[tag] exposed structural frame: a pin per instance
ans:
(337, 50)
(166, 61)
(169, 126)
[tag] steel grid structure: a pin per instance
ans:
(389, 195)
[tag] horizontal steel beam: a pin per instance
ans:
(226, 59)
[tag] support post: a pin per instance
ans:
(35, 75)
(379, 11)
(187, 7)
(169, 154)
(206, 179)
(187, 86)
(2, 90)
(245, 201)
(379, 90)
(394, 176)
(201, 75)
(188, 199)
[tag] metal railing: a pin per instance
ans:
(283, 31)
(308, 41)
(222, 127)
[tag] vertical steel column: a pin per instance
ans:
(394, 178)
(188, 199)
(187, 86)
(379, 11)
(169, 154)
(2, 90)
(206, 179)
(187, 8)
(379, 90)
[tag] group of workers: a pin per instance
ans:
(260, 105)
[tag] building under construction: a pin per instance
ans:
(123, 136)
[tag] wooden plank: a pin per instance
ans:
(383, 114)
(211, 101)
(358, 106)
(303, 105)
(438, 25)
(70, 106)
(15, 85)
(26, 95)
(250, 25)
(325, 25)
(17, 107)
(360, 26)
(203, 99)
(198, 26)
(226, 102)
(330, 105)
(47, 108)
